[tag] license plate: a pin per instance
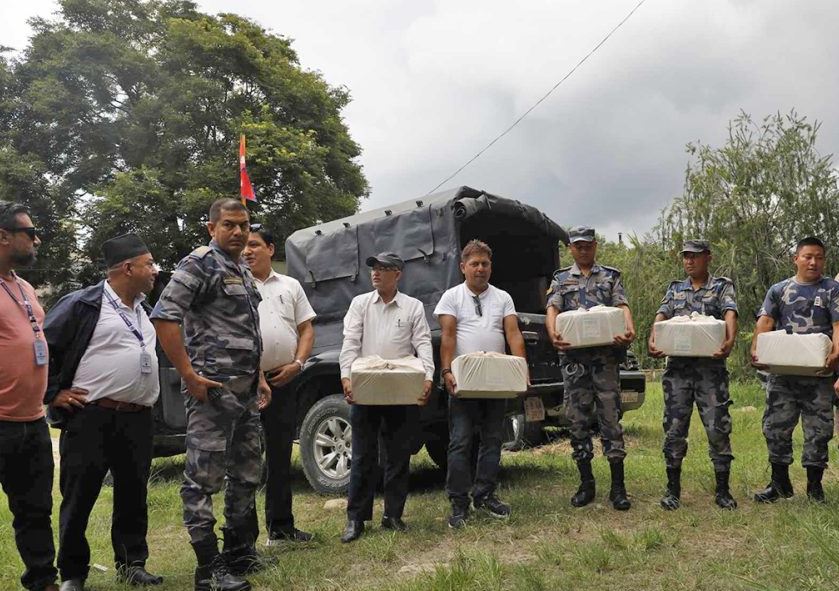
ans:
(534, 410)
(629, 396)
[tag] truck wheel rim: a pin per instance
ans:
(333, 448)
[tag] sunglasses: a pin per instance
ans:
(478, 310)
(30, 231)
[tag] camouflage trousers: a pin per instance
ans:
(704, 383)
(592, 389)
(787, 398)
(223, 442)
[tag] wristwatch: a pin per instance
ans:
(299, 364)
(445, 370)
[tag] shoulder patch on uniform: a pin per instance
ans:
(674, 283)
(613, 269)
(201, 252)
(723, 278)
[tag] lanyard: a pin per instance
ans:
(126, 319)
(25, 304)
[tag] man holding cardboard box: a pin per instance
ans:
(691, 376)
(590, 373)
(475, 316)
(805, 304)
(391, 325)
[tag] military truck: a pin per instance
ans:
(428, 234)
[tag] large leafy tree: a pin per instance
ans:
(125, 115)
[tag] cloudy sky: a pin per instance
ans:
(434, 81)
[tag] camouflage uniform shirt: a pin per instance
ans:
(804, 308)
(216, 300)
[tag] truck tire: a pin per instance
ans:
(326, 445)
(520, 434)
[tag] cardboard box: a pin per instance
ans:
(696, 335)
(377, 381)
(595, 327)
(793, 354)
(489, 375)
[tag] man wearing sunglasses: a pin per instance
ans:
(475, 316)
(590, 375)
(26, 464)
(390, 324)
(103, 382)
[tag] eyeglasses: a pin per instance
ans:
(478, 310)
(381, 269)
(30, 231)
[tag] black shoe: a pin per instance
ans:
(779, 486)
(283, 537)
(670, 501)
(352, 532)
(457, 520)
(216, 577)
(617, 492)
(815, 492)
(493, 506)
(393, 523)
(722, 495)
(240, 555)
(72, 585)
(137, 575)
(585, 494)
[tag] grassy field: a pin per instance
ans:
(546, 544)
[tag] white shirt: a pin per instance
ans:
(484, 332)
(393, 330)
(110, 366)
(283, 308)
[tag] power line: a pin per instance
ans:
(537, 103)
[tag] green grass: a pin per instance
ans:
(546, 544)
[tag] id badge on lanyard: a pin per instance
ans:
(40, 345)
(145, 356)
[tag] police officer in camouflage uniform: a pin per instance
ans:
(698, 379)
(590, 375)
(806, 303)
(212, 294)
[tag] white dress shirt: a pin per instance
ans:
(110, 366)
(393, 330)
(484, 332)
(283, 308)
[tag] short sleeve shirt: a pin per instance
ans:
(803, 308)
(480, 318)
(283, 308)
(216, 300)
(714, 298)
(571, 290)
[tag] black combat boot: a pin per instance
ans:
(617, 494)
(779, 487)
(584, 494)
(239, 553)
(670, 500)
(723, 497)
(211, 573)
(815, 492)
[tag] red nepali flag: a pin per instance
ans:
(245, 187)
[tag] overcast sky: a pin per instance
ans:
(434, 81)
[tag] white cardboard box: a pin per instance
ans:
(594, 327)
(489, 375)
(696, 335)
(377, 381)
(793, 354)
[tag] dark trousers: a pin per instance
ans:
(279, 422)
(396, 424)
(26, 469)
(465, 416)
(93, 441)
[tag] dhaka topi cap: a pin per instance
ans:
(122, 248)
(696, 246)
(386, 259)
(581, 234)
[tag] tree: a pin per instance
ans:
(131, 111)
(754, 198)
